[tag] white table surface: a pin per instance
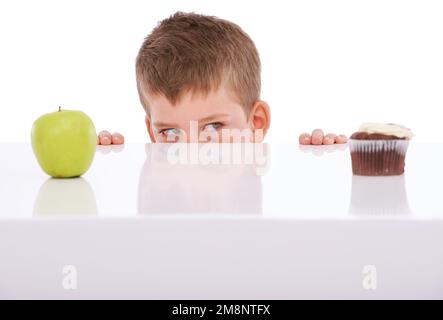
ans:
(294, 223)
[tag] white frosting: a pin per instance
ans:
(387, 128)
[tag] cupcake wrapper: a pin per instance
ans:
(378, 157)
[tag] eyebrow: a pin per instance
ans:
(205, 119)
(213, 117)
(164, 125)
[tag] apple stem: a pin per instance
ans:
(59, 108)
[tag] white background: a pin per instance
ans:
(328, 64)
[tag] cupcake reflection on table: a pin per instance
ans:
(379, 149)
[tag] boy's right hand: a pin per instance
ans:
(106, 138)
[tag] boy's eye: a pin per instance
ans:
(212, 126)
(169, 132)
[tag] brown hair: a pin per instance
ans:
(198, 53)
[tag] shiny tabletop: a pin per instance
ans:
(221, 221)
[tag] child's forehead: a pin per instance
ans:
(200, 101)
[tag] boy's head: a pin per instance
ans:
(198, 77)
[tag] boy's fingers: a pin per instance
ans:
(317, 137)
(105, 138)
(104, 132)
(341, 139)
(304, 138)
(329, 138)
(117, 138)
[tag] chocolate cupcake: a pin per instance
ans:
(379, 149)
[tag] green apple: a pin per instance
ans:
(64, 143)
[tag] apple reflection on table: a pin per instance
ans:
(207, 178)
(72, 197)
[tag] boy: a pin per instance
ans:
(198, 79)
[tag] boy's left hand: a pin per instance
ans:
(106, 138)
(318, 138)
